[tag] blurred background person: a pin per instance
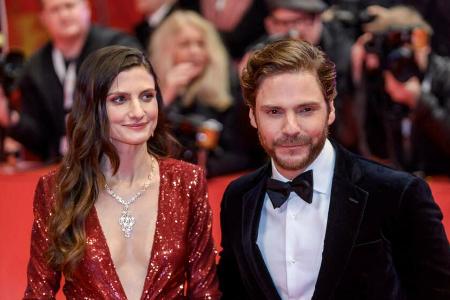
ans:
(199, 88)
(154, 12)
(239, 22)
(435, 13)
(47, 82)
(120, 219)
(406, 90)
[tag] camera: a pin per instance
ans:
(10, 68)
(395, 50)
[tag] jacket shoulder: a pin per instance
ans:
(244, 183)
(104, 36)
(371, 175)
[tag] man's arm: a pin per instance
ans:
(230, 281)
(421, 250)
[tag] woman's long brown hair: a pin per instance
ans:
(80, 177)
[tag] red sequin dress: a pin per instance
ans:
(183, 248)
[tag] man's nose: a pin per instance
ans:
(291, 125)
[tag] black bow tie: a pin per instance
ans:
(279, 191)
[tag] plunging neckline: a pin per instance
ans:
(102, 237)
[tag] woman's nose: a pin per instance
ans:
(136, 109)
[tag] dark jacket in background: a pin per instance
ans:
(431, 121)
(143, 31)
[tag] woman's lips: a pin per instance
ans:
(136, 125)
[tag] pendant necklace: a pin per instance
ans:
(126, 220)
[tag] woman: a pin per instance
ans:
(119, 219)
(195, 81)
(240, 22)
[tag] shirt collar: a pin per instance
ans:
(322, 166)
(157, 17)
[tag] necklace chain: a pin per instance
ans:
(126, 220)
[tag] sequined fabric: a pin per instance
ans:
(182, 263)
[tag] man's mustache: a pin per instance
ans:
(296, 140)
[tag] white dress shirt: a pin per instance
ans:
(291, 237)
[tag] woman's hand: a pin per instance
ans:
(178, 79)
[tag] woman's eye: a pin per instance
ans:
(148, 97)
(118, 99)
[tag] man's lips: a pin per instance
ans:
(290, 145)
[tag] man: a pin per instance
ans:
(302, 19)
(318, 222)
(48, 79)
(406, 87)
(155, 12)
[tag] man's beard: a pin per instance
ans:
(313, 149)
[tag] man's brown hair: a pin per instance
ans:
(287, 56)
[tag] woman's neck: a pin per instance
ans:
(135, 164)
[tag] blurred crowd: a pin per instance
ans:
(392, 62)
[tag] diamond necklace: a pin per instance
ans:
(126, 220)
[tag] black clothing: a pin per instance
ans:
(427, 149)
(431, 121)
(384, 237)
(143, 31)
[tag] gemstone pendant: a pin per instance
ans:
(126, 222)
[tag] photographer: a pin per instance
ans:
(406, 92)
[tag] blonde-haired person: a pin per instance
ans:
(191, 61)
(196, 79)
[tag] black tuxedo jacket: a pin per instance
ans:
(384, 238)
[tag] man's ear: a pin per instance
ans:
(332, 112)
(251, 115)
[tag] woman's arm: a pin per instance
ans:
(202, 278)
(42, 281)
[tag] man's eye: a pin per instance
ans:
(273, 111)
(306, 109)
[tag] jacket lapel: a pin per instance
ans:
(347, 205)
(252, 205)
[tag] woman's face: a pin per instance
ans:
(190, 47)
(132, 107)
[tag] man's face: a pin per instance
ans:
(292, 119)
(66, 19)
(299, 24)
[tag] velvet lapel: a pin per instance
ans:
(251, 207)
(347, 205)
